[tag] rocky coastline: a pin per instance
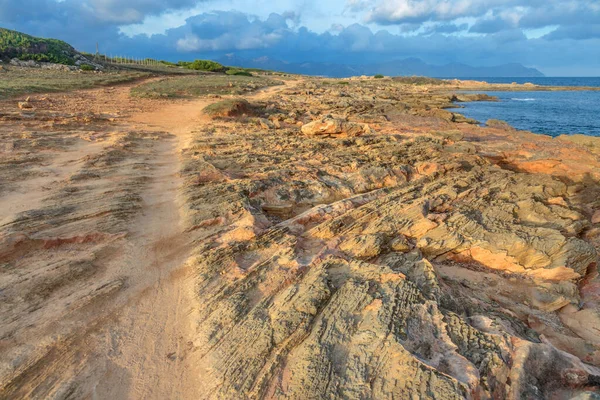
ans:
(341, 239)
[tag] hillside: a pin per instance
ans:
(25, 47)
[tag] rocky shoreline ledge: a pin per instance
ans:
(391, 248)
(346, 238)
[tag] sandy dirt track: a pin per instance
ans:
(122, 327)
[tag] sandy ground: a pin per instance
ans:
(79, 341)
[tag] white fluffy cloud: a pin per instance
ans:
(488, 14)
(402, 11)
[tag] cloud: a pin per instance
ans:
(220, 30)
(489, 15)
(433, 30)
(388, 12)
(91, 11)
(489, 25)
(447, 28)
(251, 37)
(575, 32)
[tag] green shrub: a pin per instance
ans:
(343, 83)
(87, 67)
(238, 72)
(204, 65)
(379, 76)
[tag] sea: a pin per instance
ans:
(549, 113)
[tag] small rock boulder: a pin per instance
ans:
(499, 124)
(336, 127)
(265, 123)
(461, 119)
(364, 246)
(464, 98)
(229, 108)
(596, 217)
(25, 105)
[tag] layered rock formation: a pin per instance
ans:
(419, 261)
(350, 242)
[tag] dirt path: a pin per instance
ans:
(95, 288)
(148, 345)
(146, 355)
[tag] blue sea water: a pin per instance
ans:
(546, 81)
(550, 113)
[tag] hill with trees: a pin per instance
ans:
(19, 45)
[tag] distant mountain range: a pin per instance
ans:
(406, 67)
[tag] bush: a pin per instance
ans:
(238, 72)
(87, 67)
(204, 65)
(379, 76)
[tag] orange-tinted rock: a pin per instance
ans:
(332, 126)
(596, 217)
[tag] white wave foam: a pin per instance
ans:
(523, 99)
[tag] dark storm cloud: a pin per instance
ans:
(273, 37)
(489, 25)
(448, 28)
(575, 32)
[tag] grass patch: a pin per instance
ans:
(18, 81)
(161, 69)
(379, 76)
(200, 85)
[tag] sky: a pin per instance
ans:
(559, 37)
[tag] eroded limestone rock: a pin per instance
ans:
(332, 126)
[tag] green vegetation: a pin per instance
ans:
(199, 85)
(25, 47)
(204, 65)
(14, 82)
(212, 66)
(238, 72)
(265, 71)
(379, 76)
(167, 63)
(87, 67)
(343, 83)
